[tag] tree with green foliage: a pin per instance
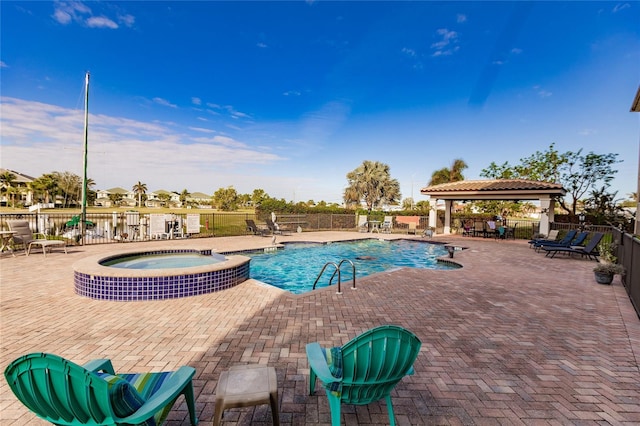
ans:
(408, 204)
(164, 198)
(449, 174)
(139, 189)
(226, 199)
(184, 194)
(423, 207)
(576, 172)
(115, 198)
(371, 184)
(603, 207)
(244, 200)
(45, 186)
(258, 196)
(6, 181)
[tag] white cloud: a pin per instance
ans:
(292, 93)
(460, 18)
(620, 6)
(516, 51)
(3, 65)
(127, 20)
(261, 45)
(164, 102)
(587, 132)
(62, 17)
(447, 43)
(408, 52)
(542, 92)
(39, 138)
(101, 22)
(66, 12)
(201, 129)
(196, 101)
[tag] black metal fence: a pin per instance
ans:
(629, 256)
(103, 228)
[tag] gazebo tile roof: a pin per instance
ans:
(492, 185)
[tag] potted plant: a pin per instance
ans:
(604, 272)
(607, 252)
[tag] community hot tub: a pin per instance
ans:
(157, 274)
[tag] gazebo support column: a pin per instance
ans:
(547, 207)
(433, 215)
(447, 216)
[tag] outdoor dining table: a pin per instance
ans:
(6, 241)
(375, 226)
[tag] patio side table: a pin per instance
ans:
(245, 386)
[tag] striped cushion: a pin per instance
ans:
(334, 361)
(147, 384)
(125, 399)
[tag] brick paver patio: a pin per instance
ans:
(511, 338)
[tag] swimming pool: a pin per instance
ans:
(296, 267)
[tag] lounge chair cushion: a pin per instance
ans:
(334, 361)
(125, 399)
(128, 392)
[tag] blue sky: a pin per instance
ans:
(290, 96)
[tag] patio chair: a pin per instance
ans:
(467, 229)
(24, 236)
(490, 229)
(364, 370)
(387, 224)
(363, 224)
(413, 228)
(569, 236)
(552, 236)
(590, 250)
(511, 231)
(478, 228)
(577, 241)
(255, 229)
(275, 228)
(64, 393)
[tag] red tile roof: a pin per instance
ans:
(499, 188)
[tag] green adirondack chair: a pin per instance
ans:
(65, 393)
(364, 370)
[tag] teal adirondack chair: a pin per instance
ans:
(364, 370)
(65, 393)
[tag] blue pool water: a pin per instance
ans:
(162, 260)
(296, 267)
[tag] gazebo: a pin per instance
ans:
(498, 189)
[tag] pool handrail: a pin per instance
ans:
(337, 266)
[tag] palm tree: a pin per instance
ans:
(47, 184)
(183, 197)
(451, 174)
(139, 189)
(6, 181)
(372, 184)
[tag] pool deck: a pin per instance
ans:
(510, 338)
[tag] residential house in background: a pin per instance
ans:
(23, 194)
(155, 198)
(203, 200)
(104, 198)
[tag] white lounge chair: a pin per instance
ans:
(23, 235)
(387, 224)
(363, 224)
